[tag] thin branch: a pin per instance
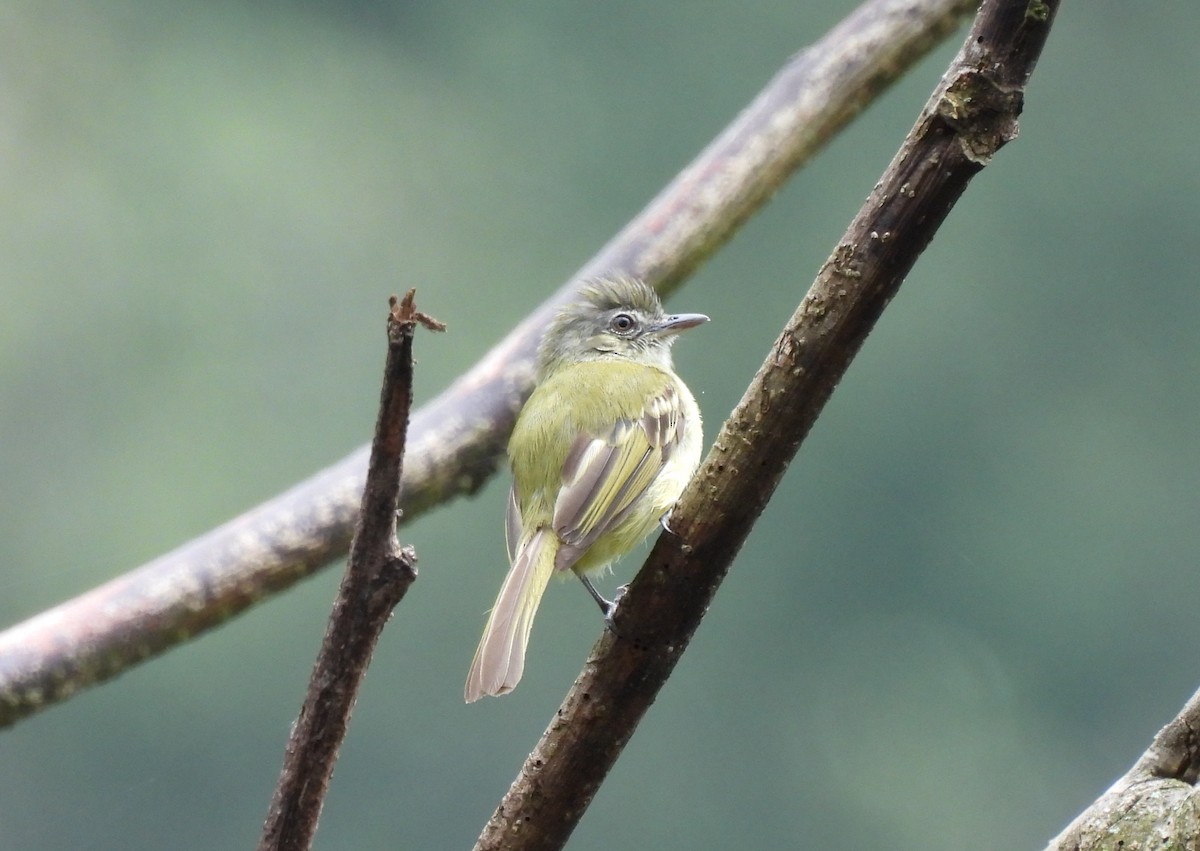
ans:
(377, 577)
(972, 113)
(456, 440)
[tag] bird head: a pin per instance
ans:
(618, 318)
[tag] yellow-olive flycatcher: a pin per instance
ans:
(599, 454)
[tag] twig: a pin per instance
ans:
(972, 113)
(456, 440)
(377, 577)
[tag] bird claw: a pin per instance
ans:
(612, 610)
(607, 607)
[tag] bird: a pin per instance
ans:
(599, 454)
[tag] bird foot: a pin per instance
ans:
(612, 610)
(607, 607)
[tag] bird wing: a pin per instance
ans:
(604, 476)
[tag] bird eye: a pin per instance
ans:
(623, 323)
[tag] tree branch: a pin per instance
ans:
(1156, 804)
(971, 114)
(456, 440)
(377, 577)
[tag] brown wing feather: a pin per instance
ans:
(604, 476)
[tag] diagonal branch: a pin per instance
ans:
(971, 114)
(1155, 804)
(457, 439)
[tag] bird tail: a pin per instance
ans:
(500, 659)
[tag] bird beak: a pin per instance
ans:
(679, 322)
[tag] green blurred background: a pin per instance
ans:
(972, 602)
